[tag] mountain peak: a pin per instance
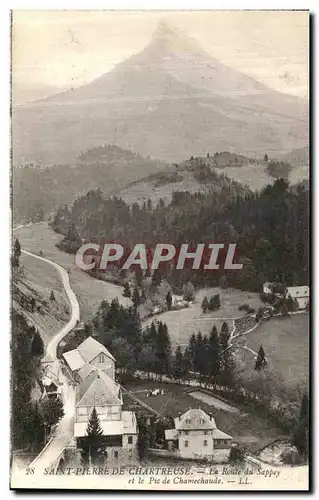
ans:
(171, 38)
(166, 29)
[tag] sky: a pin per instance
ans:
(70, 48)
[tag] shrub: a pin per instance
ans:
(236, 455)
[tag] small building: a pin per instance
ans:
(196, 437)
(50, 388)
(50, 382)
(300, 294)
(267, 288)
(92, 353)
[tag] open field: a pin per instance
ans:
(212, 401)
(148, 188)
(286, 345)
(90, 292)
(249, 429)
(182, 323)
(256, 178)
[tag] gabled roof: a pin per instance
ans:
(91, 348)
(217, 434)
(100, 390)
(195, 419)
(48, 358)
(74, 359)
(85, 371)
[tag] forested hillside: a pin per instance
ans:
(270, 228)
(40, 190)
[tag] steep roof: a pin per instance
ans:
(48, 358)
(74, 359)
(91, 348)
(100, 390)
(85, 371)
(194, 419)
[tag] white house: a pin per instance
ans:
(300, 293)
(119, 427)
(93, 369)
(92, 353)
(196, 436)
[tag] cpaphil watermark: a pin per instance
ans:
(213, 256)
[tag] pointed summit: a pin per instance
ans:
(165, 29)
(168, 37)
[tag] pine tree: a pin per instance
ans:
(143, 440)
(136, 298)
(214, 350)
(163, 350)
(236, 455)
(187, 363)
(126, 290)
(52, 296)
(139, 276)
(192, 350)
(93, 445)
(169, 300)
(266, 157)
(261, 360)
(198, 358)
(178, 363)
(205, 305)
(226, 376)
(300, 437)
(16, 254)
(37, 347)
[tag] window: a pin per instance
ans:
(186, 444)
(186, 433)
(188, 421)
(101, 358)
(205, 442)
(130, 440)
(116, 454)
(205, 433)
(202, 421)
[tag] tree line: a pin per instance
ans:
(270, 229)
(31, 421)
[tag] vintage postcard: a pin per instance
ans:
(160, 250)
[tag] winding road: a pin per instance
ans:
(64, 431)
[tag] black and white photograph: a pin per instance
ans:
(160, 239)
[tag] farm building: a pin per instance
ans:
(300, 293)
